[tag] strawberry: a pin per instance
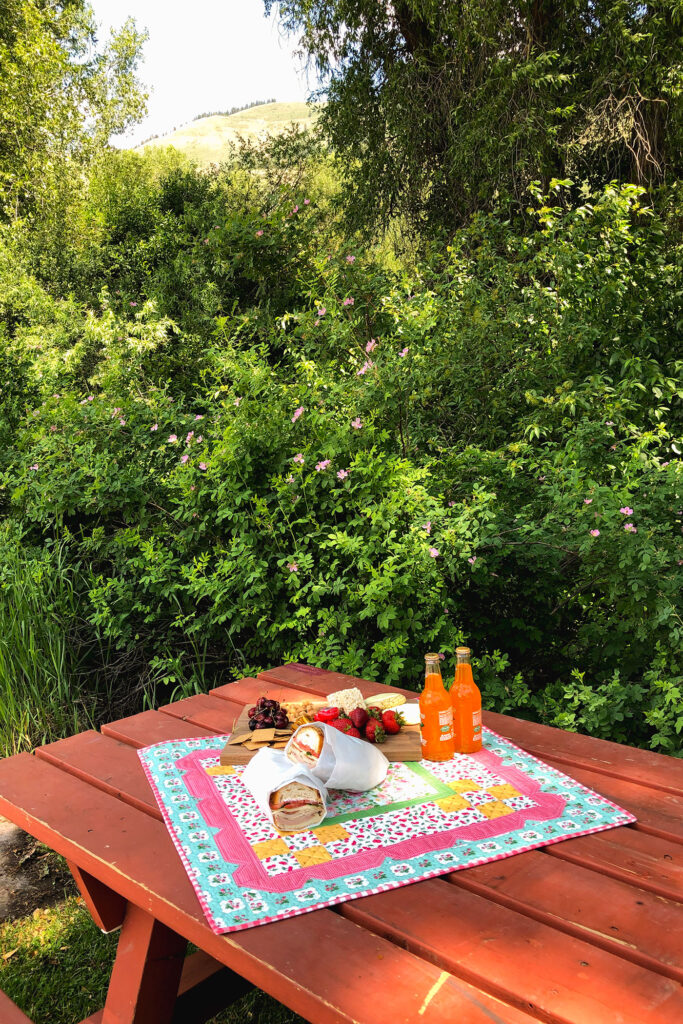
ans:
(359, 717)
(392, 722)
(353, 732)
(342, 724)
(374, 732)
(375, 713)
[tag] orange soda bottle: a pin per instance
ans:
(466, 700)
(436, 714)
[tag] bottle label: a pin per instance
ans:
(476, 722)
(446, 725)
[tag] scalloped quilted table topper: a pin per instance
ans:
(425, 819)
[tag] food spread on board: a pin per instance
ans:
(335, 740)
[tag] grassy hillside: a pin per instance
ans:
(206, 140)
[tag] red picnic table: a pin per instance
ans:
(585, 931)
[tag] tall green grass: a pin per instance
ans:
(46, 687)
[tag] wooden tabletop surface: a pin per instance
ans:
(586, 931)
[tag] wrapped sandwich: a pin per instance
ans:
(296, 806)
(338, 760)
(289, 794)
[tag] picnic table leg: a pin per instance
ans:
(146, 973)
(107, 908)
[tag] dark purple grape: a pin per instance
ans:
(281, 721)
(252, 724)
(251, 712)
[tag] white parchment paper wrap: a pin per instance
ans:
(346, 762)
(268, 770)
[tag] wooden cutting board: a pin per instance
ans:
(404, 746)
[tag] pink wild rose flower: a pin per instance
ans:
(320, 466)
(433, 553)
(356, 424)
(297, 413)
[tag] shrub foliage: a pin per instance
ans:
(239, 438)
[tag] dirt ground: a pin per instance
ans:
(31, 876)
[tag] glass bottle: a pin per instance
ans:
(466, 701)
(436, 714)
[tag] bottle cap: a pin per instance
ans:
(463, 650)
(431, 657)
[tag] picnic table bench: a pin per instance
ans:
(585, 931)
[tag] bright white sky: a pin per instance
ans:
(206, 55)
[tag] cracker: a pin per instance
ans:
(263, 734)
(242, 738)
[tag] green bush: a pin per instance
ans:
(359, 464)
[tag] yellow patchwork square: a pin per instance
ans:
(449, 804)
(330, 834)
(503, 792)
(312, 855)
(220, 769)
(464, 786)
(271, 848)
(495, 809)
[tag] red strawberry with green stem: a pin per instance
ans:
(374, 732)
(342, 724)
(359, 717)
(392, 722)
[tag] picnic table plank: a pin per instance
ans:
(655, 947)
(543, 741)
(248, 690)
(10, 1012)
(623, 762)
(560, 978)
(614, 915)
(148, 727)
(95, 758)
(629, 856)
(112, 840)
(658, 813)
(203, 710)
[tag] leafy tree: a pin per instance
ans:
(436, 109)
(61, 98)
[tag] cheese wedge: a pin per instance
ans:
(384, 701)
